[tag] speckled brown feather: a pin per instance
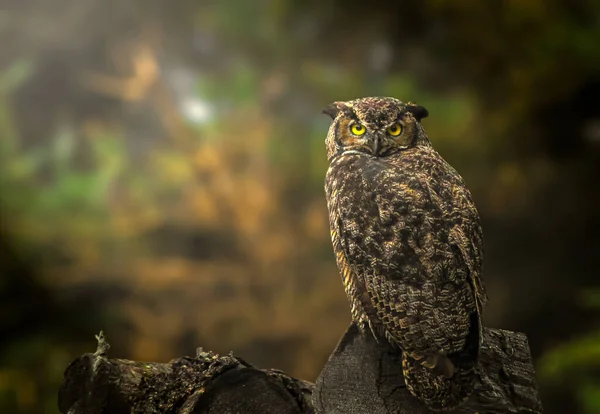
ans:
(408, 244)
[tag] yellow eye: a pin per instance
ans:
(358, 129)
(394, 130)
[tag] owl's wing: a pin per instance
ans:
(337, 185)
(469, 240)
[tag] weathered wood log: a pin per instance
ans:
(206, 384)
(364, 376)
(361, 376)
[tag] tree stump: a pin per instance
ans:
(364, 376)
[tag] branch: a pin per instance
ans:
(208, 383)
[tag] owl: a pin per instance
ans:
(408, 244)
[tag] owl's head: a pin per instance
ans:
(375, 126)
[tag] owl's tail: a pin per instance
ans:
(441, 383)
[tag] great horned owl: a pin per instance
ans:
(408, 244)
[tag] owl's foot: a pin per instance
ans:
(440, 364)
(437, 382)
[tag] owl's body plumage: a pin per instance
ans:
(408, 244)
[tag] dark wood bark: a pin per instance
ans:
(206, 384)
(361, 376)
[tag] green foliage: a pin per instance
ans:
(31, 372)
(43, 184)
(575, 363)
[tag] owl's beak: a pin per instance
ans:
(375, 145)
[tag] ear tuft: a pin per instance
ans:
(333, 109)
(419, 112)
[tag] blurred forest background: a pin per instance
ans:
(162, 165)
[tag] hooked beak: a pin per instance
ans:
(376, 144)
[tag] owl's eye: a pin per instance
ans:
(394, 130)
(357, 129)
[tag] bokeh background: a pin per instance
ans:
(162, 165)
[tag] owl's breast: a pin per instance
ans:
(374, 206)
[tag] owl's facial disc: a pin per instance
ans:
(354, 135)
(378, 126)
(375, 139)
